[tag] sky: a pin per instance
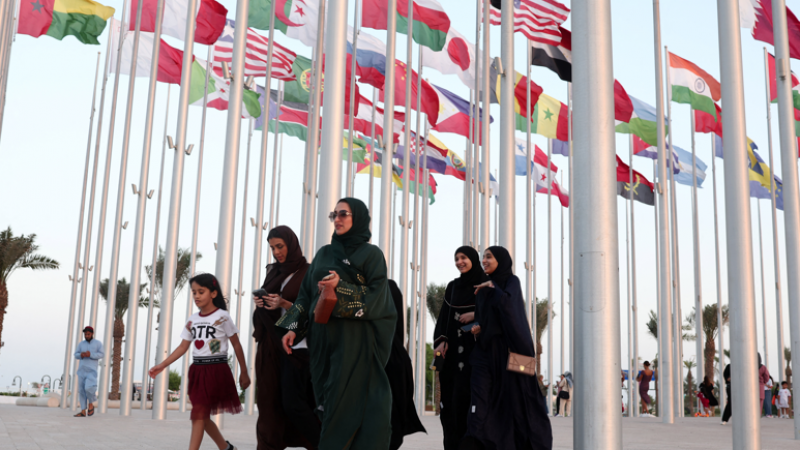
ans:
(43, 151)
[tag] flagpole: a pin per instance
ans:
(111, 299)
(571, 241)
(634, 310)
(173, 223)
(791, 211)
(423, 292)
(763, 288)
(386, 234)
(665, 310)
(628, 288)
(272, 222)
(485, 175)
(278, 200)
(507, 203)
(776, 247)
(720, 328)
(415, 225)
(549, 396)
(698, 286)
(138, 237)
(659, 268)
(68, 357)
(195, 225)
(530, 302)
(676, 261)
(154, 266)
(466, 229)
(561, 210)
(476, 135)
(6, 41)
(371, 156)
(356, 31)
(393, 229)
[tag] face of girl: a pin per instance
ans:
(279, 249)
(203, 297)
(489, 263)
(463, 263)
(343, 224)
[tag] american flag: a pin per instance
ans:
(538, 20)
(255, 56)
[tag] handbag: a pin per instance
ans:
(521, 364)
(564, 395)
(325, 304)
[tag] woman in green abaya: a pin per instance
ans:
(349, 353)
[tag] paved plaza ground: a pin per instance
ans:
(53, 428)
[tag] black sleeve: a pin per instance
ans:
(440, 332)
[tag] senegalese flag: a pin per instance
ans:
(84, 19)
(693, 85)
(549, 119)
(520, 86)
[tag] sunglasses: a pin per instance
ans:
(341, 214)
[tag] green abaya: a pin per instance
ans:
(349, 353)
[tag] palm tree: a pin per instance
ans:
(120, 308)
(541, 325)
(18, 252)
(710, 330)
(435, 299)
(182, 275)
(689, 387)
(652, 327)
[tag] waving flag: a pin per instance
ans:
(773, 88)
(642, 123)
(256, 52)
(685, 164)
(210, 19)
(521, 85)
(430, 22)
(457, 57)
(363, 119)
(170, 59)
(453, 113)
(643, 149)
(692, 85)
(761, 192)
(642, 188)
(557, 58)
(549, 119)
(430, 100)
(218, 91)
(370, 58)
(757, 14)
(296, 19)
(435, 160)
(520, 155)
(84, 19)
(538, 20)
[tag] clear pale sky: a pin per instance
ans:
(43, 150)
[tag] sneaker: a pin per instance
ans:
(723, 423)
(230, 446)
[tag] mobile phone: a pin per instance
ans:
(468, 327)
(329, 277)
(260, 293)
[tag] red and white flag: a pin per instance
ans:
(210, 19)
(457, 57)
(538, 20)
(255, 63)
(170, 59)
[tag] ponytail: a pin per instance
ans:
(210, 282)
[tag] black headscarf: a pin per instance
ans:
(359, 234)
(504, 265)
(277, 272)
(464, 286)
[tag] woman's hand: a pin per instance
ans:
(333, 281)
(244, 380)
(441, 348)
(259, 301)
(488, 284)
(475, 330)
(155, 370)
(274, 301)
(466, 317)
(288, 341)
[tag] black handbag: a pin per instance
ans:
(563, 395)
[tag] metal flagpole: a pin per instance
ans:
(776, 247)
(485, 174)
(356, 30)
(405, 221)
(371, 156)
(280, 170)
(634, 309)
(153, 267)
(385, 237)
(561, 210)
(272, 222)
(571, 243)
(665, 310)
(507, 203)
(391, 252)
(476, 134)
(111, 299)
(330, 182)
(11, 8)
(746, 429)
(138, 237)
(720, 328)
(420, 180)
(763, 288)
(598, 424)
(466, 229)
(68, 356)
(173, 223)
(530, 301)
(423, 322)
(195, 225)
(791, 211)
(698, 286)
(549, 396)
(628, 288)
(657, 232)
(415, 224)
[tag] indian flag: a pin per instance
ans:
(549, 119)
(84, 19)
(430, 23)
(692, 85)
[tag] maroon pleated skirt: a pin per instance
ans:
(212, 391)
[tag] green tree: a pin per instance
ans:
(174, 380)
(652, 327)
(182, 275)
(120, 309)
(689, 389)
(541, 326)
(710, 330)
(435, 299)
(18, 252)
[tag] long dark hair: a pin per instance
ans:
(210, 282)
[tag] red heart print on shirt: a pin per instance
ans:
(199, 344)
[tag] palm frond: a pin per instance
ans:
(18, 252)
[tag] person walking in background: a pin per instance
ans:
(455, 345)
(565, 394)
(768, 398)
(643, 380)
(726, 375)
(783, 401)
(89, 351)
(763, 379)
(707, 389)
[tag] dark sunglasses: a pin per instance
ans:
(342, 214)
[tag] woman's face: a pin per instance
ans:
(489, 263)
(279, 249)
(343, 224)
(463, 263)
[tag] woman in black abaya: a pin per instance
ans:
(456, 345)
(508, 410)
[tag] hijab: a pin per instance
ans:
(504, 264)
(277, 272)
(359, 233)
(568, 377)
(397, 298)
(464, 286)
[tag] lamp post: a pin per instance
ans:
(14, 383)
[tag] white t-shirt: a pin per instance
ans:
(209, 334)
(784, 395)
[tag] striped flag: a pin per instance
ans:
(255, 63)
(538, 20)
(692, 85)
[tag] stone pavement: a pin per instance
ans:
(52, 428)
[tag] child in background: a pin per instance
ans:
(707, 411)
(212, 389)
(783, 400)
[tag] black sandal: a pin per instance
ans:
(80, 414)
(91, 410)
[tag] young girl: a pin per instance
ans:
(783, 400)
(211, 386)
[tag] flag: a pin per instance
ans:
(542, 181)
(370, 58)
(435, 159)
(692, 85)
(520, 95)
(642, 188)
(170, 59)
(218, 91)
(708, 123)
(560, 147)
(256, 52)
(430, 22)
(757, 14)
(623, 107)
(549, 119)
(271, 108)
(412, 186)
(430, 100)
(455, 166)
(520, 156)
(761, 192)
(454, 113)
(645, 150)
(773, 88)
(299, 90)
(457, 57)
(208, 26)
(363, 119)
(642, 123)
(557, 58)
(84, 19)
(296, 19)
(538, 20)
(685, 164)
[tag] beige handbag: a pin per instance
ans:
(521, 364)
